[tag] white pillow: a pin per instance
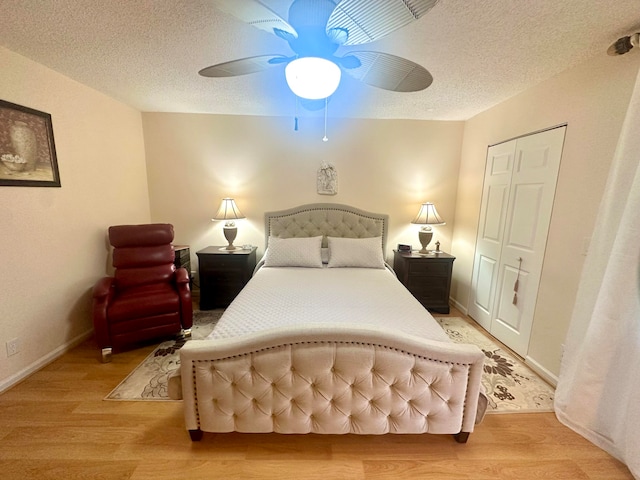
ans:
(355, 252)
(293, 252)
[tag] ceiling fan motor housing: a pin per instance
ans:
(309, 18)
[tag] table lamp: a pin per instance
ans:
(427, 216)
(229, 212)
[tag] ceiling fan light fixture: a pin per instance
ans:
(313, 78)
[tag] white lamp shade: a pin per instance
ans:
(428, 215)
(312, 77)
(228, 210)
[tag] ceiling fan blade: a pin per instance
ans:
(243, 66)
(389, 72)
(370, 20)
(257, 14)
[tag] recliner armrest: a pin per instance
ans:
(182, 276)
(184, 291)
(102, 288)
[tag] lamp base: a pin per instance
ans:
(230, 233)
(425, 235)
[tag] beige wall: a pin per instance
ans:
(388, 166)
(53, 239)
(592, 99)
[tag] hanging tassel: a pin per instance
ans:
(517, 283)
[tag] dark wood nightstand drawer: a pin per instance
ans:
(223, 274)
(430, 290)
(427, 277)
(431, 269)
(222, 264)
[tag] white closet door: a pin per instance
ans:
(516, 270)
(493, 213)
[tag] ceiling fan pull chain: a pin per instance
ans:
(295, 118)
(326, 106)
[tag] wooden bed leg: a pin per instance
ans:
(196, 435)
(461, 437)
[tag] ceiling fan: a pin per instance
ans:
(315, 30)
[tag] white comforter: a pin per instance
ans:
(277, 297)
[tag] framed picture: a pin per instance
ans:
(27, 151)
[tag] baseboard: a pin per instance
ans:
(42, 362)
(458, 305)
(543, 372)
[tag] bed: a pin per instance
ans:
(324, 339)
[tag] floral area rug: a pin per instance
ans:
(510, 385)
(149, 380)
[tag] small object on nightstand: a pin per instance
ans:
(428, 278)
(437, 250)
(404, 248)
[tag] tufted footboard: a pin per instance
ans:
(330, 379)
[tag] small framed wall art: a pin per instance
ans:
(27, 150)
(327, 179)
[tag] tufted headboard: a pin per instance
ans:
(327, 219)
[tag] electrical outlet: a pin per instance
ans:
(13, 347)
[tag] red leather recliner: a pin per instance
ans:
(147, 297)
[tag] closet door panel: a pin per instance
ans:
(483, 297)
(496, 211)
(491, 226)
(507, 314)
(525, 216)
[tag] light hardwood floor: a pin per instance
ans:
(56, 425)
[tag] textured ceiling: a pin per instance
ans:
(147, 53)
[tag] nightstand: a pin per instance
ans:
(427, 277)
(223, 274)
(182, 259)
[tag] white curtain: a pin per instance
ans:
(598, 393)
